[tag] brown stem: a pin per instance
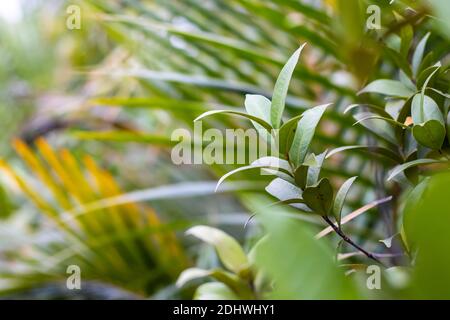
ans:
(350, 241)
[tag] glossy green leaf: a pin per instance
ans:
(258, 106)
(315, 168)
(418, 54)
(424, 108)
(286, 135)
(341, 195)
(306, 128)
(281, 88)
(259, 121)
(387, 87)
(283, 190)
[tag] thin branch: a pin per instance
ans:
(350, 241)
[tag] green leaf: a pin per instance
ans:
(448, 127)
(378, 127)
(191, 274)
(258, 106)
(388, 120)
(240, 169)
(281, 88)
(235, 283)
(425, 76)
(314, 170)
(228, 249)
(371, 149)
(400, 168)
(261, 122)
(214, 291)
(387, 87)
(376, 109)
(341, 195)
(430, 134)
(319, 197)
(283, 190)
(424, 108)
(306, 128)
(286, 135)
(418, 54)
(301, 176)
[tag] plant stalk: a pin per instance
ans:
(350, 241)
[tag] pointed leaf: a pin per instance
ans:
(258, 106)
(388, 87)
(286, 135)
(372, 149)
(261, 122)
(281, 88)
(418, 54)
(400, 168)
(306, 128)
(341, 195)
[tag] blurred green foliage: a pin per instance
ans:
(114, 91)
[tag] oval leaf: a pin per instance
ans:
(430, 134)
(319, 197)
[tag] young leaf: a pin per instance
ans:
(261, 122)
(418, 54)
(191, 274)
(258, 106)
(306, 128)
(314, 170)
(228, 249)
(286, 135)
(388, 87)
(400, 168)
(281, 88)
(319, 197)
(341, 195)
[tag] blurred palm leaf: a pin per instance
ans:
(113, 244)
